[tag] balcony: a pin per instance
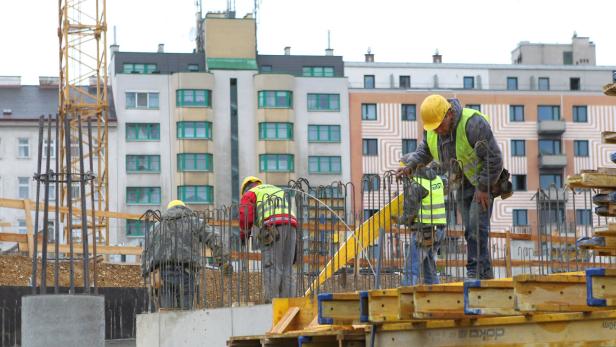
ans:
(551, 127)
(552, 161)
(552, 195)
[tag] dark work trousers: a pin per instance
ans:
(178, 287)
(278, 276)
(476, 221)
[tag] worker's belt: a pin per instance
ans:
(425, 235)
(268, 235)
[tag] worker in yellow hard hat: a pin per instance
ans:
(461, 140)
(174, 203)
(267, 207)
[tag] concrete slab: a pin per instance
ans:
(63, 320)
(201, 328)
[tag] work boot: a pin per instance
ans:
(486, 275)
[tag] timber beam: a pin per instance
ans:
(551, 293)
(439, 301)
(601, 287)
(489, 297)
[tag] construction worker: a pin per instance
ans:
(461, 140)
(265, 207)
(174, 256)
(425, 214)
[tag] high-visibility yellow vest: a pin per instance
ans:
(432, 209)
(271, 201)
(465, 153)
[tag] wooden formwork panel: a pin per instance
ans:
(551, 293)
(386, 305)
(438, 301)
(489, 297)
(339, 308)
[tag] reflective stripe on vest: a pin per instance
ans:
(465, 153)
(271, 200)
(432, 209)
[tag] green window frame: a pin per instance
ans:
(276, 163)
(142, 100)
(139, 68)
(275, 131)
(318, 71)
(324, 164)
(195, 162)
(323, 102)
(143, 196)
(193, 98)
(275, 99)
(194, 130)
(324, 133)
(196, 194)
(142, 163)
(142, 132)
(136, 228)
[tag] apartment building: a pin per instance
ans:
(21, 107)
(192, 125)
(547, 120)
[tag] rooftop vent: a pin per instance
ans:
(369, 56)
(49, 81)
(287, 50)
(7, 112)
(10, 81)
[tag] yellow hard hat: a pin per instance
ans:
(248, 180)
(433, 110)
(175, 203)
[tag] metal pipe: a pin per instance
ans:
(36, 215)
(92, 206)
(46, 210)
(84, 215)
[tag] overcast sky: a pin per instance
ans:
(471, 31)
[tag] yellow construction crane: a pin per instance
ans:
(82, 34)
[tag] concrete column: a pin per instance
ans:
(63, 320)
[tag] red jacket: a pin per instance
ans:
(247, 215)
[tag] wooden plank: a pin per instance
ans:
(339, 308)
(384, 305)
(286, 320)
(13, 237)
(489, 297)
(438, 301)
(551, 293)
(100, 249)
(308, 311)
(592, 180)
(19, 204)
(608, 137)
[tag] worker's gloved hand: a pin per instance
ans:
(403, 171)
(482, 198)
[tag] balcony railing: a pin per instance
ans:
(552, 161)
(545, 127)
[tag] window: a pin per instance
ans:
(475, 107)
(23, 147)
(580, 148)
(405, 82)
(195, 162)
(574, 83)
(23, 190)
(409, 145)
(369, 81)
(546, 180)
(516, 113)
(141, 100)
(276, 163)
(137, 228)
(318, 71)
(518, 182)
(275, 131)
(139, 68)
(323, 133)
(371, 182)
(583, 217)
(368, 111)
(194, 130)
(265, 68)
(324, 165)
(409, 112)
(544, 83)
(21, 226)
(520, 217)
(193, 67)
(142, 132)
(469, 82)
(369, 213)
(512, 83)
(275, 99)
(193, 98)
(143, 195)
(196, 194)
(52, 191)
(548, 112)
(52, 149)
(142, 163)
(518, 148)
(323, 102)
(370, 147)
(549, 147)
(580, 114)
(567, 58)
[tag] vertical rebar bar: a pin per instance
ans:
(56, 270)
(84, 214)
(69, 203)
(92, 207)
(46, 209)
(36, 215)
